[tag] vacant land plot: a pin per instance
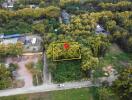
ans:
(23, 73)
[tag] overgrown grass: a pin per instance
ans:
(117, 58)
(67, 71)
(114, 57)
(37, 79)
(72, 94)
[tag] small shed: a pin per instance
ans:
(1, 36)
(13, 36)
(65, 17)
(33, 40)
(99, 29)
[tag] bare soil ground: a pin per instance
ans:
(23, 73)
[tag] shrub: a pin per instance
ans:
(13, 67)
(30, 66)
(52, 11)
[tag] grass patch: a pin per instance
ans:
(37, 79)
(117, 58)
(72, 94)
(67, 71)
(98, 73)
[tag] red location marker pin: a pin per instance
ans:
(66, 46)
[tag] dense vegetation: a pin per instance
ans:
(5, 77)
(11, 49)
(64, 71)
(122, 86)
(114, 15)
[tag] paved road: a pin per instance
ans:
(48, 86)
(52, 87)
(44, 88)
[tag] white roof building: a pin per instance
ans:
(34, 40)
(1, 36)
(99, 29)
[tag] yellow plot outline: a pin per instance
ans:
(66, 59)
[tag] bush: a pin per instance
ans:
(30, 66)
(5, 77)
(13, 67)
(11, 49)
(129, 44)
(120, 6)
(42, 4)
(37, 79)
(39, 64)
(105, 94)
(52, 11)
(15, 26)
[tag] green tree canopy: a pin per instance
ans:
(122, 86)
(5, 77)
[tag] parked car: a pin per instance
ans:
(61, 85)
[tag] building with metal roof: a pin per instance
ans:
(65, 17)
(12, 36)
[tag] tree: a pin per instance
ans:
(30, 67)
(1, 1)
(119, 6)
(88, 61)
(129, 44)
(18, 48)
(39, 28)
(98, 44)
(13, 67)
(4, 16)
(42, 4)
(11, 49)
(110, 25)
(105, 93)
(56, 51)
(2, 50)
(14, 49)
(122, 86)
(28, 2)
(39, 64)
(52, 11)
(5, 77)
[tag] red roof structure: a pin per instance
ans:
(66, 46)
